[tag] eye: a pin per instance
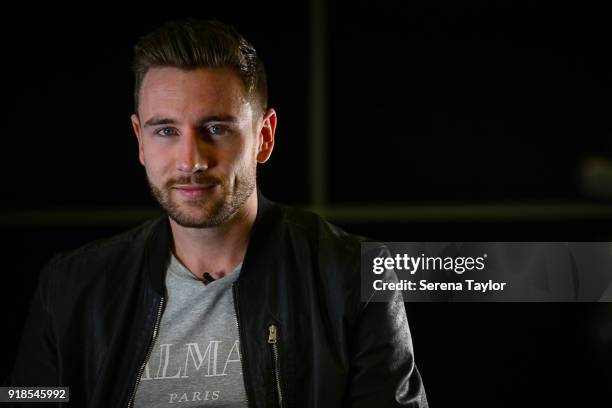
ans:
(216, 129)
(166, 132)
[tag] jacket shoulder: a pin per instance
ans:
(335, 252)
(105, 250)
(317, 229)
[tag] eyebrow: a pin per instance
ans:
(158, 120)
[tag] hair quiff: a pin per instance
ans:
(191, 44)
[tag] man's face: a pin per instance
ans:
(200, 140)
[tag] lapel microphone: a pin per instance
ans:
(207, 278)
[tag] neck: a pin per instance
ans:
(216, 250)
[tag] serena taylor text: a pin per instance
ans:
(424, 285)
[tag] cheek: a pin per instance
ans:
(247, 159)
(234, 156)
(157, 162)
(250, 151)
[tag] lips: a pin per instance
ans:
(190, 187)
(194, 190)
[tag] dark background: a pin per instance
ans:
(427, 110)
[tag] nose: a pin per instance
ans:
(191, 153)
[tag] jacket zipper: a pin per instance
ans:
(273, 340)
(242, 361)
(149, 350)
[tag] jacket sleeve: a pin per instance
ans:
(383, 370)
(36, 360)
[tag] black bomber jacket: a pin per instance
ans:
(96, 310)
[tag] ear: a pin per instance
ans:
(266, 136)
(138, 133)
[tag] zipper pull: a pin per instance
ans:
(272, 334)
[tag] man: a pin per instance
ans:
(230, 299)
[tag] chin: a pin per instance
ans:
(211, 216)
(191, 221)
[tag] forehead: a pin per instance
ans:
(170, 90)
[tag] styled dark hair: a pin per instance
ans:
(191, 44)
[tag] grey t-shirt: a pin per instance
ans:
(195, 361)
